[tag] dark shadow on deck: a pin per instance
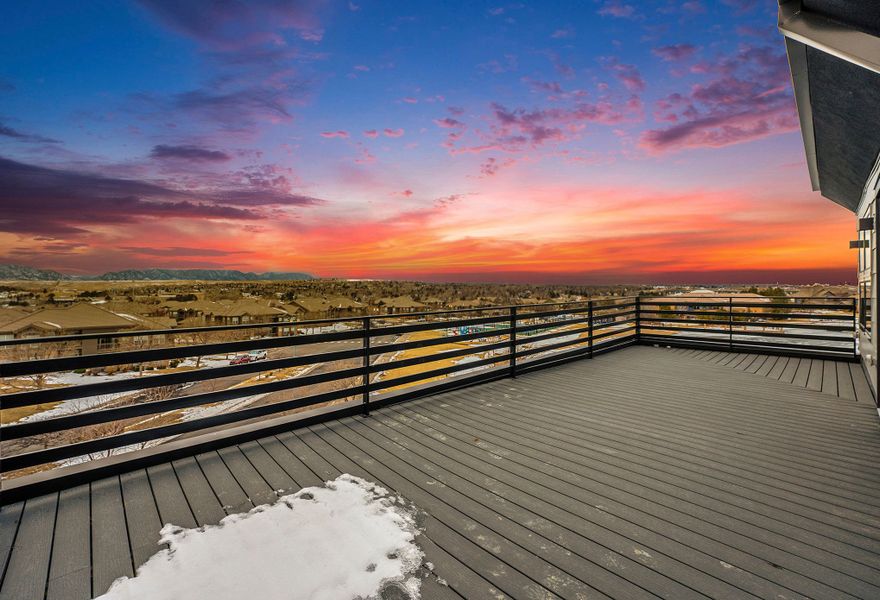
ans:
(644, 473)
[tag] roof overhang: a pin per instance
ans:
(833, 50)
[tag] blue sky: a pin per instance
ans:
(254, 135)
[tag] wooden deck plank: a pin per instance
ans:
(229, 493)
(199, 495)
(791, 370)
(111, 555)
(253, 484)
(768, 365)
(28, 567)
(275, 476)
(845, 387)
(803, 373)
(466, 582)
(70, 570)
(10, 517)
(142, 516)
(585, 545)
(321, 468)
(301, 474)
(488, 553)
(580, 502)
(558, 458)
(829, 377)
(817, 371)
(860, 384)
(778, 368)
(541, 558)
(170, 499)
(757, 363)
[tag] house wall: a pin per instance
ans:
(867, 326)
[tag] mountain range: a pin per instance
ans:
(23, 273)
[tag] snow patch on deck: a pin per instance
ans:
(347, 539)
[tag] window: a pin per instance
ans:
(865, 306)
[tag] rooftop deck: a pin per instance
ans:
(643, 473)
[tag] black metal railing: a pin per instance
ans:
(379, 359)
(822, 328)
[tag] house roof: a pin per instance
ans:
(400, 302)
(240, 308)
(834, 55)
(344, 303)
(78, 317)
(313, 304)
(7, 315)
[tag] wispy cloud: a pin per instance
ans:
(745, 97)
(9, 132)
(188, 153)
(675, 52)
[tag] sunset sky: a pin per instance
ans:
(590, 141)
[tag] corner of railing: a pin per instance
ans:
(366, 365)
(730, 323)
(590, 327)
(638, 318)
(513, 341)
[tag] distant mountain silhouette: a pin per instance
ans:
(198, 274)
(23, 273)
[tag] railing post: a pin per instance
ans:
(590, 327)
(366, 366)
(730, 323)
(512, 350)
(638, 318)
(855, 316)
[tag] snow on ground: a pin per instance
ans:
(347, 539)
(209, 410)
(76, 405)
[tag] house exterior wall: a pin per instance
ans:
(867, 309)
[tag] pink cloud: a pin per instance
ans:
(371, 133)
(448, 123)
(363, 68)
(742, 100)
(563, 33)
(628, 75)
(393, 133)
(615, 8)
(334, 134)
(491, 166)
(410, 100)
(675, 52)
(693, 7)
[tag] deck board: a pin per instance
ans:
(69, 573)
(670, 473)
(28, 567)
(10, 517)
(228, 491)
(141, 514)
(844, 379)
(111, 556)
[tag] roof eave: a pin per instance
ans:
(838, 40)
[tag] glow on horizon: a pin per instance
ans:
(587, 145)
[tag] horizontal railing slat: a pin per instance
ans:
(571, 330)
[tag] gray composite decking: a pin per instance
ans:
(844, 379)
(644, 473)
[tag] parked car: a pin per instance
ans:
(258, 355)
(241, 359)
